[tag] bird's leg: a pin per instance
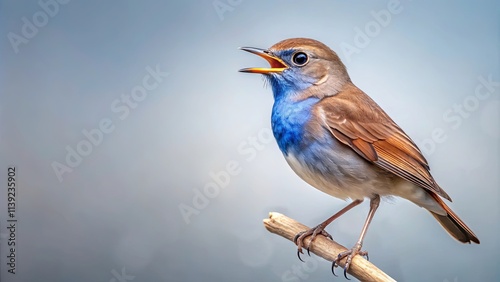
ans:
(356, 249)
(320, 229)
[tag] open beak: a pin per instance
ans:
(277, 65)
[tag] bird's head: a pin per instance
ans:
(300, 64)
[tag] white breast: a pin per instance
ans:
(344, 176)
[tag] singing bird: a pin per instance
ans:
(337, 139)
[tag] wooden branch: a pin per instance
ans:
(360, 268)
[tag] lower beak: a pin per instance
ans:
(277, 65)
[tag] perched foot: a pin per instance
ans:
(356, 250)
(313, 232)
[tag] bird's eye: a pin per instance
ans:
(300, 58)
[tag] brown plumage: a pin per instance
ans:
(377, 138)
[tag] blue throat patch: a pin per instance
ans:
(288, 120)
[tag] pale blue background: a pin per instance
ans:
(120, 207)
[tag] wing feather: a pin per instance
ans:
(371, 133)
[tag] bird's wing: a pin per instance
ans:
(357, 121)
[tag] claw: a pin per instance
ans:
(333, 268)
(349, 254)
(313, 232)
(327, 235)
(345, 274)
(299, 251)
(340, 257)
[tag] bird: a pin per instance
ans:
(340, 141)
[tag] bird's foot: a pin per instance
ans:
(356, 250)
(313, 232)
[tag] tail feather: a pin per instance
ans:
(453, 224)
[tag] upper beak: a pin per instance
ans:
(277, 65)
